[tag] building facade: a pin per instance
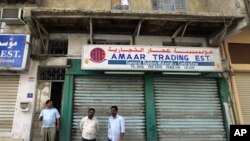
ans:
(236, 48)
(159, 101)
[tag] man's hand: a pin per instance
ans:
(58, 124)
(41, 118)
(122, 137)
(58, 127)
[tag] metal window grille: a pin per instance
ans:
(51, 73)
(110, 42)
(180, 5)
(58, 46)
(170, 5)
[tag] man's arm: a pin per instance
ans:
(41, 116)
(109, 130)
(81, 124)
(97, 125)
(122, 122)
(58, 123)
(58, 119)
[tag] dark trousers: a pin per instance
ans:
(87, 140)
(109, 140)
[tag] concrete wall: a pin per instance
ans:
(141, 5)
(226, 7)
(82, 4)
(198, 6)
(222, 6)
(23, 119)
(16, 30)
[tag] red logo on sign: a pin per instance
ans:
(97, 55)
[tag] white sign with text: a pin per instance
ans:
(150, 58)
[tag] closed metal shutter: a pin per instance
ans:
(101, 93)
(188, 109)
(8, 95)
(243, 88)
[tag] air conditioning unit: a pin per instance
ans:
(12, 16)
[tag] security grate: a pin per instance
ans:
(58, 46)
(170, 5)
(51, 73)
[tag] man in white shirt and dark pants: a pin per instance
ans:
(50, 119)
(116, 126)
(89, 126)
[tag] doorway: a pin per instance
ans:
(56, 97)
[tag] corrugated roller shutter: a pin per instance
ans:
(188, 109)
(101, 93)
(243, 88)
(8, 95)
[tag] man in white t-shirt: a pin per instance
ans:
(50, 119)
(116, 126)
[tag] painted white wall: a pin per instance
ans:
(22, 123)
(76, 41)
(56, 61)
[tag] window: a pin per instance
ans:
(186, 44)
(121, 4)
(239, 53)
(170, 5)
(57, 46)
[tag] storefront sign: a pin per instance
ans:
(150, 58)
(13, 51)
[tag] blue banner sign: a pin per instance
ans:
(13, 51)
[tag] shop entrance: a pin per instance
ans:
(49, 86)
